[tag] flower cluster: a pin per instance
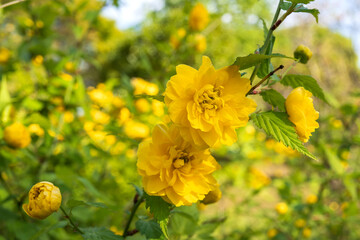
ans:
(205, 107)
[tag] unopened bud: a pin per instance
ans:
(303, 54)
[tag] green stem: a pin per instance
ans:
(267, 40)
(132, 214)
(71, 221)
(289, 68)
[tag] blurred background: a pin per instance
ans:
(70, 71)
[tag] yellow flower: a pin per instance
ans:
(173, 169)
(300, 108)
(68, 117)
(199, 17)
(99, 116)
(306, 232)
(136, 130)
(66, 77)
(17, 135)
(281, 208)
(124, 116)
(4, 55)
(100, 96)
(303, 54)
(300, 223)
(272, 233)
(44, 199)
(258, 179)
(144, 87)
(38, 60)
(157, 108)
(213, 196)
(311, 199)
(200, 43)
(181, 32)
(70, 67)
(208, 104)
(36, 129)
(142, 105)
(39, 24)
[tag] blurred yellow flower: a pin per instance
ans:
(302, 53)
(99, 116)
(54, 135)
(36, 129)
(173, 169)
(311, 199)
(66, 77)
(117, 102)
(68, 117)
(136, 130)
(29, 22)
(69, 67)
(4, 55)
(199, 17)
(116, 231)
(44, 199)
(272, 233)
(17, 135)
(208, 104)
(142, 105)
(144, 87)
(300, 108)
(174, 41)
(281, 208)
(38, 60)
(39, 24)
(200, 43)
(336, 123)
(110, 139)
(300, 223)
(124, 115)
(100, 95)
(306, 232)
(213, 196)
(257, 179)
(157, 108)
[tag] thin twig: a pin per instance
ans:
(11, 3)
(71, 222)
(137, 202)
(264, 79)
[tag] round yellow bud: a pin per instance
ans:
(16, 135)
(213, 196)
(272, 233)
(306, 232)
(303, 54)
(44, 199)
(199, 17)
(311, 199)
(300, 223)
(136, 130)
(142, 105)
(281, 208)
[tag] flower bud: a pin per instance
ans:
(16, 135)
(212, 197)
(311, 199)
(303, 53)
(281, 208)
(44, 199)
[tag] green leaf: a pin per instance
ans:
(305, 81)
(333, 160)
(158, 207)
(150, 229)
(300, 8)
(351, 186)
(99, 233)
(4, 95)
(279, 126)
(274, 98)
(163, 225)
(72, 203)
(254, 59)
(139, 190)
(158, 97)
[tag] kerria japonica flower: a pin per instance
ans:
(207, 104)
(44, 199)
(301, 111)
(173, 169)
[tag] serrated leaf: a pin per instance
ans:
(301, 1)
(158, 207)
(163, 226)
(151, 229)
(305, 81)
(301, 8)
(99, 233)
(158, 97)
(281, 129)
(254, 59)
(274, 98)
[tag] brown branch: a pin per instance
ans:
(264, 79)
(11, 3)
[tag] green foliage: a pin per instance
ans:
(274, 98)
(99, 233)
(254, 59)
(150, 228)
(279, 127)
(308, 82)
(301, 8)
(158, 207)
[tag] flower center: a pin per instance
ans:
(210, 99)
(179, 157)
